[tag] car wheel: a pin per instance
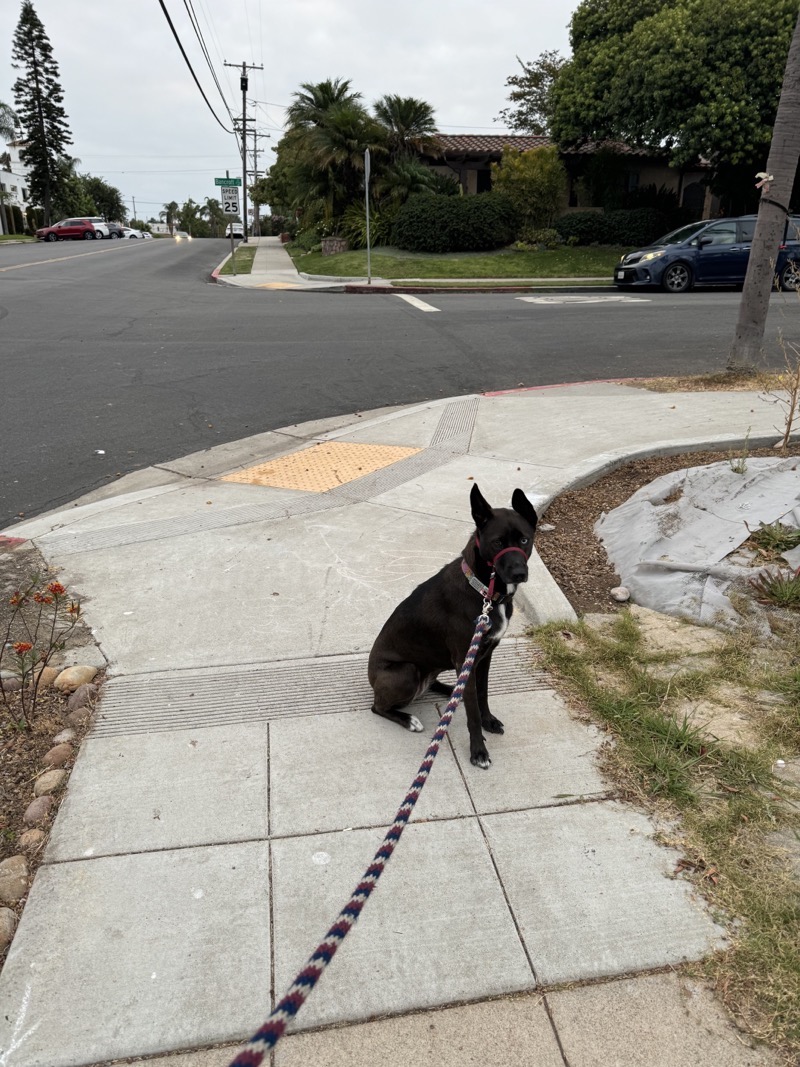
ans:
(88, 236)
(51, 237)
(790, 277)
(677, 278)
(114, 236)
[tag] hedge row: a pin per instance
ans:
(441, 224)
(637, 226)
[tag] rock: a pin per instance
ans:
(8, 924)
(82, 696)
(72, 677)
(545, 527)
(11, 684)
(13, 879)
(621, 593)
(48, 782)
(80, 717)
(31, 839)
(65, 735)
(48, 675)
(58, 756)
(37, 811)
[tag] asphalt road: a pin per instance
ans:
(118, 355)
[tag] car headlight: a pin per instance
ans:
(648, 256)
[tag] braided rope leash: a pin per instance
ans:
(265, 1039)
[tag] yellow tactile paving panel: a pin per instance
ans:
(322, 467)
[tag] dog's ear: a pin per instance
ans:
(481, 511)
(523, 507)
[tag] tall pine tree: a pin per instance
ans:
(38, 97)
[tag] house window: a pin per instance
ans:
(484, 181)
(631, 181)
(24, 194)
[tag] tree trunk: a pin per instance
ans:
(784, 153)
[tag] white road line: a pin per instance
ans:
(60, 259)
(420, 304)
(588, 299)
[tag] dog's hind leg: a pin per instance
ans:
(439, 687)
(394, 688)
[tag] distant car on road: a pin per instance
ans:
(711, 252)
(131, 233)
(182, 235)
(236, 229)
(147, 235)
(68, 230)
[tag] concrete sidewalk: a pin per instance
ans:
(235, 785)
(274, 268)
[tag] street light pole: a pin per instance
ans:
(243, 84)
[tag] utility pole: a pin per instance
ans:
(243, 84)
(133, 198)
(255, 172)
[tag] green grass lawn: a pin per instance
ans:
(244, 254)
(394, 264)
(15, 237)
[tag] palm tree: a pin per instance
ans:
(215, 215)
(8, 122)
(410, 126)
(334, 150)
(310, 107)
(169, 214)
(776, 190)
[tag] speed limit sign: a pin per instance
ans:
(230, 200)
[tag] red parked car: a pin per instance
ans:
(67, 230)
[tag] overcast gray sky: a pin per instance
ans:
(139, 121)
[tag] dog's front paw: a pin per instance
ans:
(414, 724)
(481, 759)
(492, 725)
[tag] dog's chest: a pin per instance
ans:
(500, 620)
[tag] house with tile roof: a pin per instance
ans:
(469, 157)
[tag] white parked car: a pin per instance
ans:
(131, 234)
(235, 228)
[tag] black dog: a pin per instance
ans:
(431, 630)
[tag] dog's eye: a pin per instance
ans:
(523, 540)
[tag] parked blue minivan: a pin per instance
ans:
(712, 252)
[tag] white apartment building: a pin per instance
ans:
(14, 183)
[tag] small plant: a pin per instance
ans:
(786, 389)
(772, 539)
(738, 463)
(41, 620)
(781, 588)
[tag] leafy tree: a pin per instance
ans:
(169, 214)
(190, 218)
(38, 97)
(531, 94)
(107, 198)
(535, 182)
(410, 126)
(141, 224)
(698, 77)
(773, 210)
(71, 198)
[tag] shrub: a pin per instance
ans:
(535, 181)
(442, 224)
(547, 239)
(353, 224)
(638, 226)
(584, 228)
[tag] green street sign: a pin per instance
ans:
(227, 181)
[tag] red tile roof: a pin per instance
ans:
(465, 143)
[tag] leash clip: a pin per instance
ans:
(484, 615)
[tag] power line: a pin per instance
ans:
(191, 69)
(199, 35)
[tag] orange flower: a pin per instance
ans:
(17, 599)
(56, 588)
(40, 598)
(74, 608)
(21, 647)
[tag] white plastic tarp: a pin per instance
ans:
(671, 540)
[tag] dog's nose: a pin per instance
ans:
(518, 572)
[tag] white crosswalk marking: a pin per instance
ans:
(565, 298)
(420, 304)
